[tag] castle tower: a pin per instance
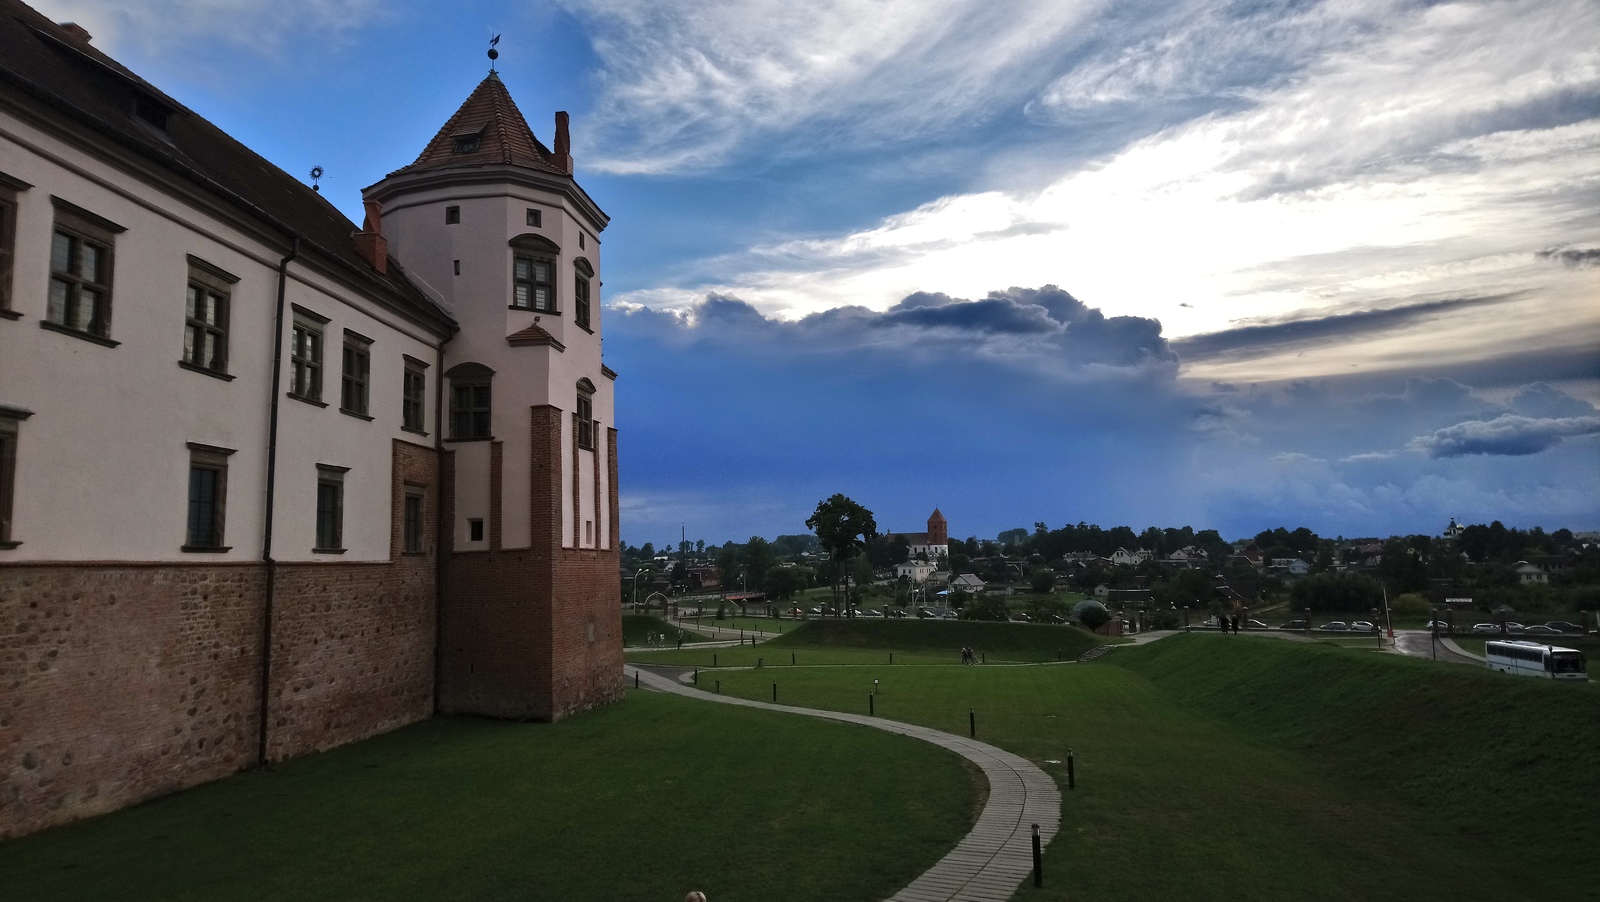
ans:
(938, 529)
(491, 219)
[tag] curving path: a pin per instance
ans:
(990, 862)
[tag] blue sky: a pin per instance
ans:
(1230, 265)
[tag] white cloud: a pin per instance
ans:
(262, 27)
(1432, 158)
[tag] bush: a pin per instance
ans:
(1091, 614)
(1411, 604)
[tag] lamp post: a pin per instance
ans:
(636, 588)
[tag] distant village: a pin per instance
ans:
(1169, 574)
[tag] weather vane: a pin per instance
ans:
(316, 173)
(493, 53)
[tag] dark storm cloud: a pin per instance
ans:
(1509, 435)
(1571, 257)
(1324, 330)
(1046, 325)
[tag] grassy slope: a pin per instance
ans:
(600, 807)
(635, 628)
(1000, 641)
(1509, 758)
(1265, 770)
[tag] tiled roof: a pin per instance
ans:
(56, 68)
(503, 136)
(534, 335)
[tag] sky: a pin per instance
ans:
(1232, 265)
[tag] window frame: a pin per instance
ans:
(472, 378)
(330, 477)
(583, 425)
(534, 260)
(452, 215)
(10, 430)
(212, 459)
(305, 368)
(414, 524)
(414, 370)
(208, 279)
(355, 376)
(9, 204)
(475, 529)
(80, 227)
(582, 277)
(535, 218)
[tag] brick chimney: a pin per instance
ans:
(76, 32)
(563, 151)
(370, 243)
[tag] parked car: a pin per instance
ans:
(1057, 618)
(924, 613)
(1293, 625)
(1335, 626)
(1255, 625)
(1020, 617)
(1363, 626)
(1562, 626)
(1539, 629)
(816, 612)
(899, 612)
(1488, 628)
(1439, 625)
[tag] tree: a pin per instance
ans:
(1042, 580)
(1091, 614)
(843, 527)
(986, 607)
(758, 559)
(648, 551)
(699, 546)
(782, 582)
(728, 565)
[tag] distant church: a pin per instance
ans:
(930, 545)
(270, 482)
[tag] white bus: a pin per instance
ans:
(1549, 662)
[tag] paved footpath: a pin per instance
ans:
(989, 864)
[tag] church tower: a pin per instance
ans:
(493, 222)
(938, 529)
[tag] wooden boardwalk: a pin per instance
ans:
(992, 860)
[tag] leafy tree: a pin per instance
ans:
(648, 551)
(986, 607)
(757, 559)
(1091, 614)
(1043, 607)
(843, 527)
(1042, 580)
(728, 565)
(782, 583)
(1349, 592)
(699, 546)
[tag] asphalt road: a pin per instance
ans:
(1420, 644)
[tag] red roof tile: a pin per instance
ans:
(503, 135)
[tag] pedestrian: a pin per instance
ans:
(1236, 624)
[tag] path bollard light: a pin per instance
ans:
(1072, 772)
(774, 690)
(1038, 859)
(874, 687)
(636, 679)
(972, 723)
(719, 687)
(697, 676)
(760, 662)
(891, 657)
(983, 657)
(713, 660)
(791, 657)
(871, 706)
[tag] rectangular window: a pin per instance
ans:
(357, 368)
(10, 419)
(330, 509)
(414, 392)
(9, 188)
(469, 412)
(80, 279)
(452, 215)
(208, 495)
(534, 284)
(585, 418)
(305, 356)
(535, 218)
(475, 530)
(413, 522)
(580, 300)
(457, 266)
(580, 241)
(205, 310)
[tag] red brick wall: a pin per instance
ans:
(532, 633)
(126, 681)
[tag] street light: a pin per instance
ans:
(636, 588)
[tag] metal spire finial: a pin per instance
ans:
(493, 53)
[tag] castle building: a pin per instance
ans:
(270, 482)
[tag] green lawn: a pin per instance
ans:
(642, 800)
(636, 628)
(1214, 769)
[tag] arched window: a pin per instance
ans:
(582, 273)
(583, 419)
(533, 273)
(470, 401)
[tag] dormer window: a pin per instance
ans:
(150, 111)
(469, 142)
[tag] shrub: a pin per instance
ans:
(1091, 614)
(1411, 604)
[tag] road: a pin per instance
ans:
(1420, 644)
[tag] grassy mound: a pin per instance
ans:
(1498, 755)
(1000, 641)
